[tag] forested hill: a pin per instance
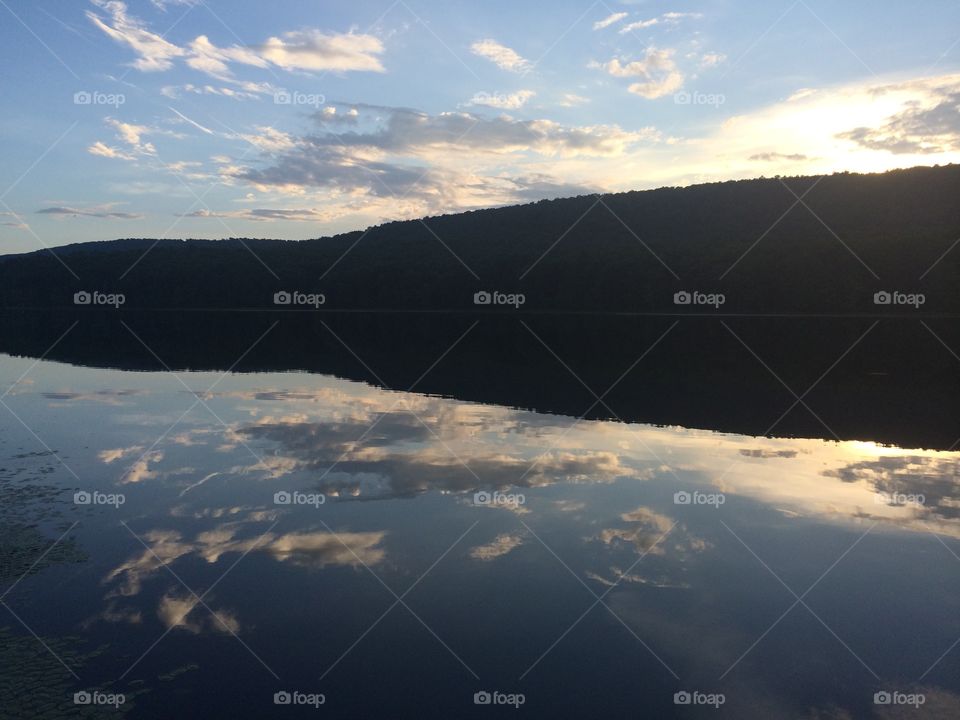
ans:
(799, 244)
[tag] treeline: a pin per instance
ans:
(851, 237)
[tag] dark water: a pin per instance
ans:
(604, 567)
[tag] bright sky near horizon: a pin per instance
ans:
(297, 119)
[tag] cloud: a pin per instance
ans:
(315, 50)
(510, 101)
(402, 459)
(502, 545)
(771, 156)
(302, 50)
(669, 18)
(572, 100)
(140, 469)
(96, 212)
(129, 134)
(103, 150)
(405, 163)
(305, 549)
(263, 214)
(154, 52)
(500, 55)
(109, 456)
(657, 70)
(174, 611)
(164, 4)
(712, 59)
(922, 128)
(15, 223)
(609, 20)
(173, 91)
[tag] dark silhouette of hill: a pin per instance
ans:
(851, 236)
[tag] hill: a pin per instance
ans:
(753, 242)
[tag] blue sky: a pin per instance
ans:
(216, 118)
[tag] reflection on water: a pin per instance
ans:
(395, 551)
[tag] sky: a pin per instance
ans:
(296, 119)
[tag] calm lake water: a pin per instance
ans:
(200, 542)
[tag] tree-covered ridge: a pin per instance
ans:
(799, 244)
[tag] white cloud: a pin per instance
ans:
(309, 49)
(609, 20)
(154, 52)
(315, 50)
(669, 18)
(103, 150)
(712, 59)
(572, 100)
(503, 57)
(657, 71)
(639, 25)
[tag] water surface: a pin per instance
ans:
(398, 553)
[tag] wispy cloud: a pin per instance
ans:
(302, 50)
(609, 20)
(101, 211)
(669, 18)
(500, 55)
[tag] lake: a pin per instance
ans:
(293, 543)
